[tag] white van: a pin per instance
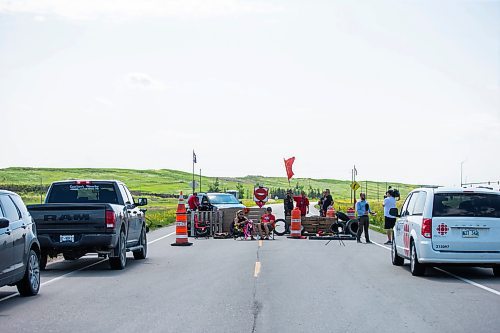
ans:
(448, 226)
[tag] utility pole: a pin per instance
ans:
(461, 173)
(200, 180)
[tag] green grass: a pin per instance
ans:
(158, 185)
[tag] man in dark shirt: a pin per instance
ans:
(327, 201)
(288, 203)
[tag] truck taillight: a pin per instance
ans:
(427, 228)
(83, 182)
(110, 219)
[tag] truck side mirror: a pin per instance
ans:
(4, 223)
(394, 212)
(142, 201)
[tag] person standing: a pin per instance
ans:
(389, 220)
(320, 204)
(194, 202)
(302, 203)
(288, 203)
(363, 209)
(327, 201)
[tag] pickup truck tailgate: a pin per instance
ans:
(72, 218)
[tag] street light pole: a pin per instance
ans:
(461, 173)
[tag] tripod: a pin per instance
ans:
(335, 228)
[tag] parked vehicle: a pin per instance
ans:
(448, 226)
(19, 247)
(85, 216)
(214, 201)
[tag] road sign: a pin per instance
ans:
(355, 185)
(260, 195)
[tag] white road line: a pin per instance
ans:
(80, 269)
(159, 239)
(475, 284)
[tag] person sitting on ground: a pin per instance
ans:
(267, 222)
(239, 223)
(302, 203)
(194, 202)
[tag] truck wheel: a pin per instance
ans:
(416, 268)
(30, 284)
(496, 270)
(43, 260)
(121, 261)
(396, 259)
(352, 227)
(141, 254)
(280, 227)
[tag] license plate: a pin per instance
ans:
(470, 233)
(67, 238)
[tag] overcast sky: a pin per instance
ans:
(406, 90)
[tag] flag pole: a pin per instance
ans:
(193, 172)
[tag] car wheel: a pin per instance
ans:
(280, 227)
(496, 270)
(43, 260)
(121, 261)
(416, 268)
(396, 259)
(141, 254)
(30, 284)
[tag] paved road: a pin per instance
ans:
(217, 286)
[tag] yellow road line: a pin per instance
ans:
(257, 269)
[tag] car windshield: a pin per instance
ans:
(87, 193)
(222, 199)
(466, 204)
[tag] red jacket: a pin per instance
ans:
(193, 202)
(302, 204)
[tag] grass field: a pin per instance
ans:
(158, 185)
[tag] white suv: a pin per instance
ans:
(448, 226)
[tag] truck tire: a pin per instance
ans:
(142, 254)
(416, 268)
(43, 260)
(30, 284)
(118, 263)
(280, 227)
(352, 227)
(396, 259)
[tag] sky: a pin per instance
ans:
(408, 91)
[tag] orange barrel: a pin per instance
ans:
(330, 212)
(296, 224)
(181, 234)
(350, 213)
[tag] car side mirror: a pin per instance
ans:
(241, 202)
(394, 212)
(142, 201)
(4, 223)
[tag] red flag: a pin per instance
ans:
(288, 167)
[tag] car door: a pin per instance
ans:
(134, 216)
(401, 228)
(18, 232)
(6, 249)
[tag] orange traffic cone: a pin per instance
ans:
(181, 236)
(330, 212)
(296, 224)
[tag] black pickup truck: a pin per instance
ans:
(83, 216)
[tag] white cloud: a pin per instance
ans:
(40, 18)
(144, 81)
(130, 9)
